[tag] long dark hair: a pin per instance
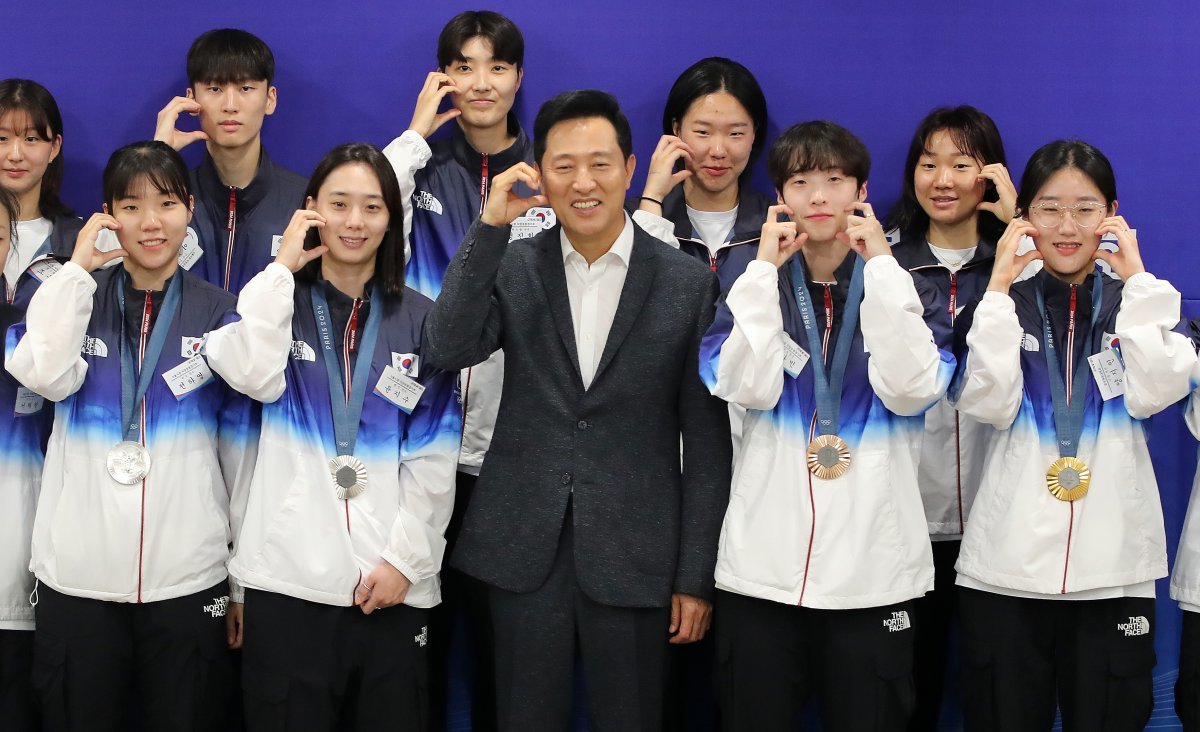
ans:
(30, 97)
(389, 258)
(710, 76)
(976, 135)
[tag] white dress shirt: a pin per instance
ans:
(594, 293)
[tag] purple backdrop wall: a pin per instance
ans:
(1120, 75)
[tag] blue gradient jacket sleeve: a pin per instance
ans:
(47, 357)
(910, 365)
(428, 461)
(741, 356)
(1158, 361)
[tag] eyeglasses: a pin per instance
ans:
(1086, 215)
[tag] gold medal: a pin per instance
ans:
(828, 457)
(349, 476)
(1068, 479)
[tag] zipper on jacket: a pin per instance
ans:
(231, 229)
(144, 335)
(349, 346)
(962, 525)
(812, 427)
(483, 183)
(1070, 384)
(712, 261)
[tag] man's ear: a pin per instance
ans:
(630, 166)
(189, 94)
(272, 100)
(862, 191)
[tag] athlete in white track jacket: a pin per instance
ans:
(1021, 539)
(859, 540)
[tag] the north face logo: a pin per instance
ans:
(423, 638)
(217, 608)
(898, 622)
(94, 347)
(301, 351)
(1136, 626)
(425, 200)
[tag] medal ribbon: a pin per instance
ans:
(131, 395)
(1068, 409)
(346, 412)
(828, 384)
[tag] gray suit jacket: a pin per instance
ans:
(643, 528)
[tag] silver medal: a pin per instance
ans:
(128, 462)
(349, 476)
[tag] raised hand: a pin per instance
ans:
(1006, 207)
(504, 206)
(292, 253)
(864, 234)
(1008, 265)
(166, 130)
(86, 254)
(1127, 260)
(779, 240)
(426, 119)
(663, 177)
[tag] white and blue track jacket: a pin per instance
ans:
(1019, 536)
(855, 541)
(294, 535)
(167, 536)
(1185, 577)
(24, 427)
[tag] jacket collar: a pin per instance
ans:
(466, 156)
(752, 212)
(913, 252)
(211, 187)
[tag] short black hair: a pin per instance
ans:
(389, 258)
(227, 56)
(1060, 155)
(975, 134)
(35, 100)
(508, 45)
(818, 145)
(710, 76)
(157, 161)
(580, 104)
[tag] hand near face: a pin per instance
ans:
(1127, 260)
(691, 618)
(864, 234)
(384, 587)
(1006, 207)
(1008, 265)
(166, 130)
(504, 206)
(292, 253)
(779, 240)
(426, 119)
(86, 254)
(662, 177)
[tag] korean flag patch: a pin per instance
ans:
(193, 346)
(406, 363)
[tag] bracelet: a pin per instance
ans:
(651, 200)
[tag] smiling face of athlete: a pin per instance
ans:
(720, 134)
(1066, 211)
(153, 225)
(356, 217)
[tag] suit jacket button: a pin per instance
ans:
(566, 479)
(582, 424)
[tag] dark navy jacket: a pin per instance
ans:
(262, 212)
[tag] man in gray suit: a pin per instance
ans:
(583, 524)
